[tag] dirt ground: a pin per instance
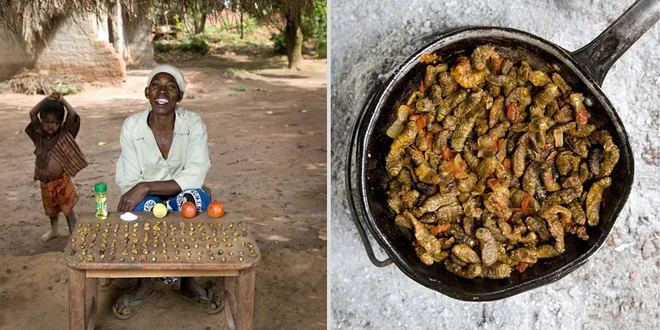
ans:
(267, 140)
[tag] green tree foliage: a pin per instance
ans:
(320, 34)
(287, 15)
(195, 45)
(314, 26)
(279, 43)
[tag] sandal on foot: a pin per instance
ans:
(135, 306)
(203, 301)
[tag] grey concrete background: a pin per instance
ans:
(619, 288)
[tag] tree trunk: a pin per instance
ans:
(200, 24)
(241, 10)
(117, 30)
(294, 39)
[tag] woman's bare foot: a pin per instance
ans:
(192, 291)
(50, 234)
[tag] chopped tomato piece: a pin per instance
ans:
(492, 183)
(420, 122)
(460, 169)
(446, 153)
(448, 166)
(582, 117)
(525, 203)
(500, 144)
(441, 228)
(506, 162)
(521, 267)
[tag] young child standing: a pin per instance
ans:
(58, 158)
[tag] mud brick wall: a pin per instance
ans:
(12, 55)
(72, 47)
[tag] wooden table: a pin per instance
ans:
(151, 247)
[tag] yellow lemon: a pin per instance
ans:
(159, 210)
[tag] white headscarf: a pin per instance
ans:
(178, 76)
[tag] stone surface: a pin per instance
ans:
(618, 288)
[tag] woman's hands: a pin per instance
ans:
(133, 197)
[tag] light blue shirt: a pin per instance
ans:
(141, 161)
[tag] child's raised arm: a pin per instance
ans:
(35, 110)
(70, 110)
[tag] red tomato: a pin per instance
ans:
(188, 210)
(215, 210)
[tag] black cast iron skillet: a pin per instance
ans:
(584, 70)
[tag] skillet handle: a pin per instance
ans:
(600, 54)
(359, 217)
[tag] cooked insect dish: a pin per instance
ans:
(493, 162)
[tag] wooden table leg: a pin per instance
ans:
(230, 308)
(77, 308)
(245, 297)
(91, 302)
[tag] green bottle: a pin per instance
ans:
(100, 191)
